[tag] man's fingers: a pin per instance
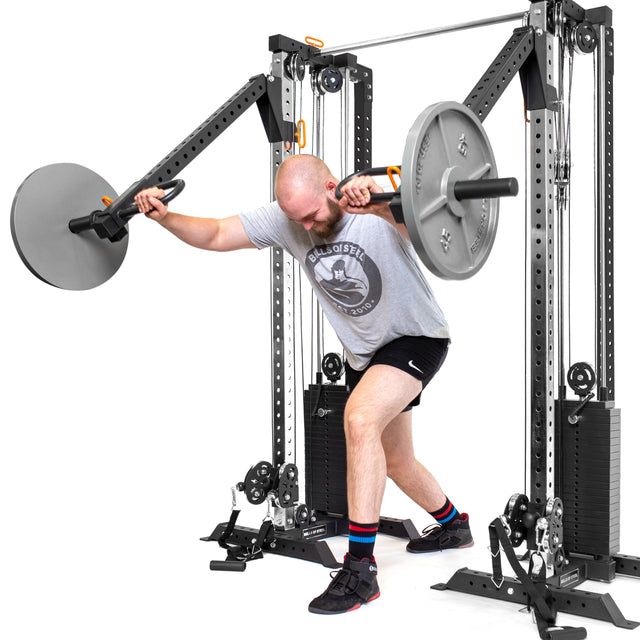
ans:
(143, 199)
(357, 192)
(357, 196)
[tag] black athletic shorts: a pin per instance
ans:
(419, 356)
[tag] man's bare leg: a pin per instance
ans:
(403, 468)
(378, 399)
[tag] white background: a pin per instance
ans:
(128, 410)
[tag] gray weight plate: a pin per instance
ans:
(447, 143)
(42, 208)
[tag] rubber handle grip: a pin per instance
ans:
(176, 185)
(227, 565)
(374, 171)
(568, 633)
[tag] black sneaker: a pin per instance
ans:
(353, 585)
(453, 535)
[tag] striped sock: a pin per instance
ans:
(362, 538)
(446, 513)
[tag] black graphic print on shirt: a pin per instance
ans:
(345, 272)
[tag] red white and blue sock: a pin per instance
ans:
(447, 513)
(362, 538)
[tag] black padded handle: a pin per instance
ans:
(227, 565)
(567, 633)
(176, 187)
(85, 223)
(463, 189)
(374, 171)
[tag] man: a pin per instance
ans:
(394, 334)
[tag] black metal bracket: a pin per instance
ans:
(302, 543)
(599, 606)
(308, 542)
(270, 107)
(521, 54)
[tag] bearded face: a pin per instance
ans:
(325, 228)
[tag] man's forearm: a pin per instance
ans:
(197, 232)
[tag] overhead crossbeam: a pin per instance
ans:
(484, 22)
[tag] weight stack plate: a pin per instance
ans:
(325, 449)
(588, 478)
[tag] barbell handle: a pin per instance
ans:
(374, 171)
(85, 223)
(463, 189)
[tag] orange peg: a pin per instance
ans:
(314, 42)
(390, 172)
(301, 133)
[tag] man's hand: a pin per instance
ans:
(356, 196)
(148, 201)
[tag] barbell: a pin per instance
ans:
(449, 197)
(448, 201)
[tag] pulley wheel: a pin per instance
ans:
(515, 512)
(258, 482)
(332, 366)
(581, 378)
(42, 208)
(447, 144)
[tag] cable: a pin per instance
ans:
(527, 290)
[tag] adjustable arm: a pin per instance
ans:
(520, 54)
(170, 166)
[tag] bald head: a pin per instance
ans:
(302, 173)
(304, 188)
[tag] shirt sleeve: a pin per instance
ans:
(265, 225)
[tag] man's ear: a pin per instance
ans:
(330, 186)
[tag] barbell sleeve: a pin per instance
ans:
(85, 223)
(489, 188)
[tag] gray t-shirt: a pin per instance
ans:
(366, 277)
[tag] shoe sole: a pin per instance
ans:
(462, 546)
(322, 611)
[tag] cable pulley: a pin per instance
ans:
(581, 378)
(332, 367)
(258, 482)
(326, 80)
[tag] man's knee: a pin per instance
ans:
(359, 424)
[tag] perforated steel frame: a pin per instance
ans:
(282, 303)
(605, 361)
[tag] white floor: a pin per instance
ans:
(160, 586)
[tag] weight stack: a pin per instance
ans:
(588, 477)
(325, 449)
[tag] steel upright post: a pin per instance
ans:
(282, 303)
(541, 291)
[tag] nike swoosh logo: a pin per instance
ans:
(413, 366)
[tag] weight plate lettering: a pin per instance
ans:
(446, 144)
